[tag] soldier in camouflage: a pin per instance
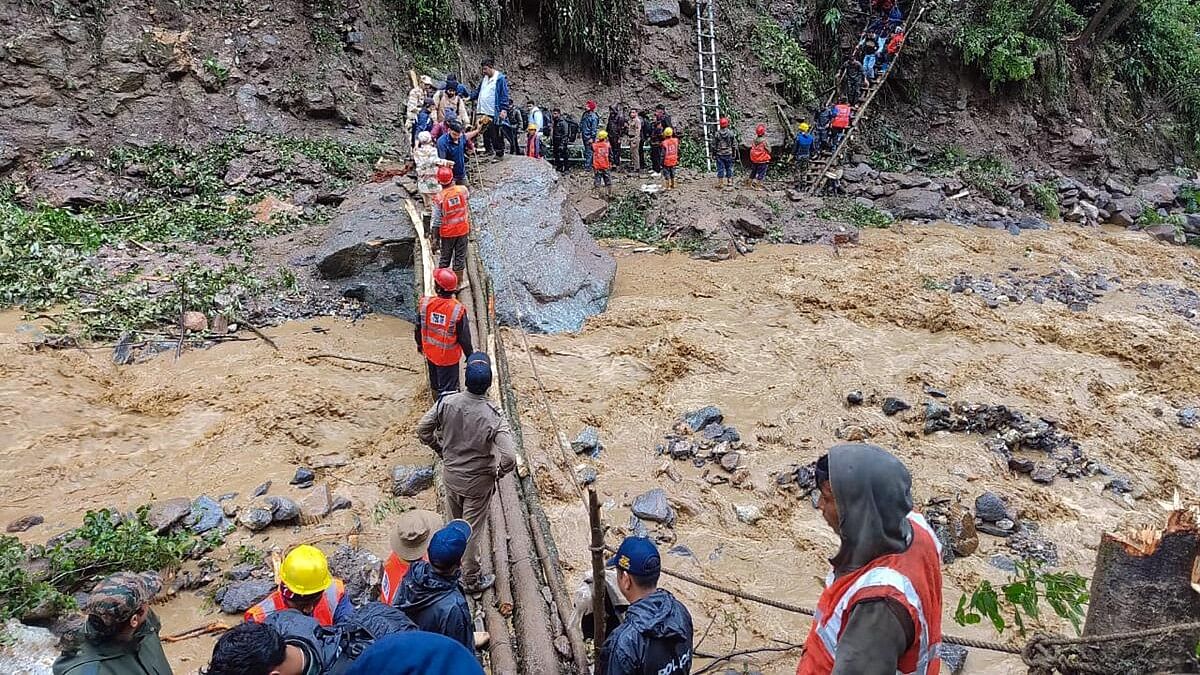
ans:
(120, 636)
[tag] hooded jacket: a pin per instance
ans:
(654, 639)
(436, 604)
(873, 490)
(142, 655)
(416, 653)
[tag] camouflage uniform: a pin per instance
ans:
(114, 601)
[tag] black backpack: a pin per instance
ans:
(572, 129)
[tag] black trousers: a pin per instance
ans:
(454, 254)
(656, 156)
(614, 153)
(442, 379)
(560, 158)
(494, 138)
(511, 134)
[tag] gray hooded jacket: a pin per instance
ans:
(873, 490)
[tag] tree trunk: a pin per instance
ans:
(1096, 21)
(1121, 18)
(1144, 579)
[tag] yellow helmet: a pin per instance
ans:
(804, 126)
(668, 132)
(603, 135)
(305, 571)
(531, 127)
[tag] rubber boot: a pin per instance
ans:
(672, 183)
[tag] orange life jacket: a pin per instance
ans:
(439, 330)
(893, 45)
(601, 160)
(841, 116)
(393, 573)
(760, 153)
(456, 221)
(670, 151)
(912, 578)
(323, 612)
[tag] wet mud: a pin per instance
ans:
(776, 339)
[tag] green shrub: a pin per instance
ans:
(782, 55)
(665, 81)
(600, 33)
(849, 211)
(1021, 598)
(626, 219)
(425, 29)
(1046, 197)
(996, 36)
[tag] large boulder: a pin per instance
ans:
(548, 272)
(368, 253)
(915, 204)
(661, 12)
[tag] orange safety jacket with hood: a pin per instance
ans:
(887, 552)
(323, 612)
(439, 330)
(394, 571)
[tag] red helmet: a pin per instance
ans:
(761, 130)
(724, 122)
(445, 279)
(445, 175)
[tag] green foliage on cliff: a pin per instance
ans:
(781, 55)
(599, 32)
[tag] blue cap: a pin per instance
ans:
(638, 556)
(447, 545)
(479, 373)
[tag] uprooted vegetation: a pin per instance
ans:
(184, 241)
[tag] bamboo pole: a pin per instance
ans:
(599, 584)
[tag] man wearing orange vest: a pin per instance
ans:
(602, 162)
(410, 543)
(305, 585)
(670, 157)
(443, 332)
(760, 158)
(839, 122)
(451, 222)
(881, 610)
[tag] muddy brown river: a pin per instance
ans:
(775, 339)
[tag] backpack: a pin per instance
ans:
(572, 129)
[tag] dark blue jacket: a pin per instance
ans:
(502, 99)
(589, 125)
(415, 653)
(803, 145)
(436, 604)
(424, 122)
(456, 152)
(654, 639)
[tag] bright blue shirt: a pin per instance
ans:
(456, 152)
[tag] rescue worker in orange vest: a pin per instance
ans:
(451, 223)
(305, 585)
(839, 122)
(670, 157)
(602, 163)
(443, 333)
(760, 158)
(881, 610)
(410, 543)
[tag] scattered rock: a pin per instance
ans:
(261, 489)
(283, 509)
(1029, 545)
(915, 204)
(195, 321)
(1065, 286)
(954, 657)
(681, 551)
(586, 475)
(991, 507)
(1188, 417)
(1043, 473)
(749, 224)
(206, 514)
(654, 506)
(854, 398)
(852, 432)
(729, 461)
(360, 570)
(24, 523)
(893, 405)
(409, 481)
(592, 210)
(662, 13)
(240, 596)
(680, 448)
(1001, 528)
(719, 433)
(587, 442)
(163, 515)
(747, 513)
(303, 476)
(242, 572)
(317, 504)
(1002, 563)
(330, 461)
(703, 417)
(1168, 233)
(340, 503)
(255, 518)
(934, 392)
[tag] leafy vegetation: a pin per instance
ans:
(387, 508)
(780, 54)
(691, 153)
(1046, 197)
(601, 33)
(849, 211)
(998, 37)
(987, 174)
(250, 555)
(626, 219)
(42, 578)
(1021, 598)
(666, 82)
(218, 70)
(419, 27)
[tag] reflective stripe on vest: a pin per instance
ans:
(841, 116)
(456, 220)
(671, 152)
(601, 161)
(268, 605)
(393, 573)
(439, 330)
(887, 579)
(323, 612)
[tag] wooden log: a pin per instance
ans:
(1145, 579)
(598, 613)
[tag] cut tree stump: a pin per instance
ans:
(1146, 579)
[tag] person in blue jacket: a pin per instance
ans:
(452, 145)
(803, 146)
(656, 634)
(430, 594)
(490, 98)
(415, 653)
(589, 129)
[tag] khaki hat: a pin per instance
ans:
(411, 534)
